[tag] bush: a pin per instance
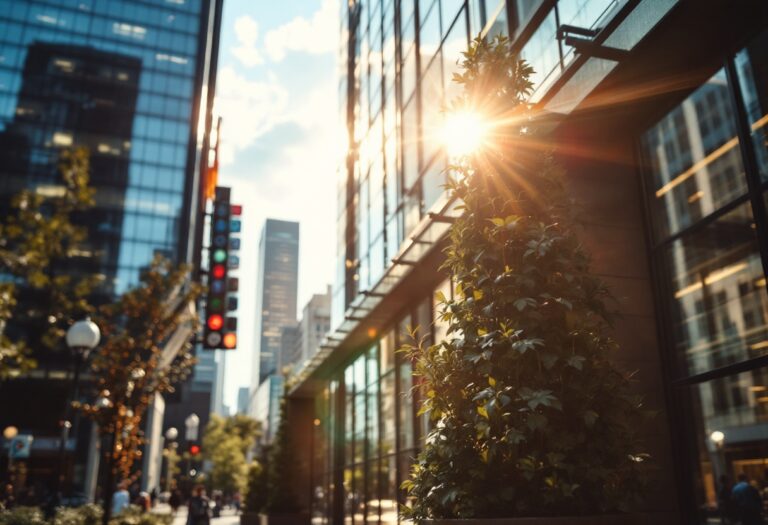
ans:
(22, 516)
(133, 515)
(256, 489)
(89, 514)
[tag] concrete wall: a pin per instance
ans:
(604, 179)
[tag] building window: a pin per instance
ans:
(705, 175)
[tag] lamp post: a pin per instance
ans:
(81, 338)
(718, 438)
(9, 433)
(192, 424)
(170, 436)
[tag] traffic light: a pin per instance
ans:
(194, 450)
(221, 262)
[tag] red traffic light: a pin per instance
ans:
(218, 271)
(235, 209)
(215, 322)
(194, 449)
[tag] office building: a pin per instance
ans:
(658, 115)
(300, 342)
(314, 325)
(276, 293)
(290, 346)
(242, 400)
(124, 79)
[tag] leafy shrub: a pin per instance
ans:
(256, 489)
(89, 514)
(22, 516)
(133, 515)
(530, 415)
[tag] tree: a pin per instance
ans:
(147, 336)
(40, 242)
(280, 497)
(226, 442)
(256, 490)
(530, 415)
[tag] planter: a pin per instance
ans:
(287, 518)
(646, 518)
(249, 518)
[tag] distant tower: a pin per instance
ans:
(276, 294)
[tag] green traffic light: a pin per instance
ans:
(219, 256)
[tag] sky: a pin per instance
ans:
(276, 92)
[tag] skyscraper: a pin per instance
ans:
(276, 291)
(125, 79)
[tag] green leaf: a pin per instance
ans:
(590, 418)
(525, 302)
(576, 361)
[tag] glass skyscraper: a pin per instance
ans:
(126, 80)
(122, 78)
(276, 293)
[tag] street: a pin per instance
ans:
(228, 516)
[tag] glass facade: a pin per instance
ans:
(706, 178)
(118, 77)
(368, 417)
(401, 57)
(704, 169)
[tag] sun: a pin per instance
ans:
(463, 133)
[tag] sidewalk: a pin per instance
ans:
(228, 515)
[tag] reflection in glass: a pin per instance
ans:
(731, 431)
(694, 158)
(543, 52)
(720, 308)
(752, 67)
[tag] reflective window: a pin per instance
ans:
(753, 77)
(731, 432)
(715, 305)
(695, 159)
(718, 293)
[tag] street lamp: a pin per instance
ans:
(717, 438)
(9, 433)
(171, 434)
(81, 338)
(192, 424)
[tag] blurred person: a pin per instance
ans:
(199, 507)
(747, 503)
(175, 501)
(120, 499)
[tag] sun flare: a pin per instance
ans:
(463, 133)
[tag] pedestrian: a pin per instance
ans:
(175, 501)
(8, 497)
(236, 499)
(747, 503)
(724, 507)
(217, 504)
(199, 508)
(120, 499)
(143, 501)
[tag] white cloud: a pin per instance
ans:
(248, 108)
(247, 32)
(317, 36)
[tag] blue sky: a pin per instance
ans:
(276, 92)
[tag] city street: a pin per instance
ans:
(228, 516)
